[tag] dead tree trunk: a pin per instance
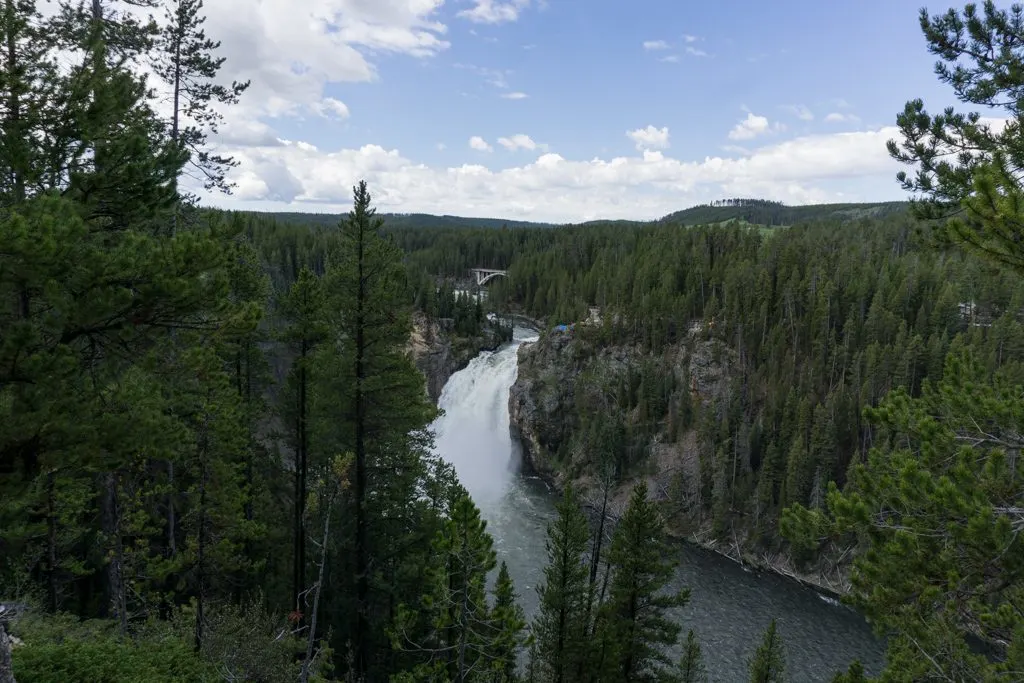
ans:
(311, 637)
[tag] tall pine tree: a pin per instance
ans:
(635, 630)
(768, 665)
(561, 627)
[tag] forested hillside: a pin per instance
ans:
(408, 220)
(775, 214)
(216, 461)
(809, 324)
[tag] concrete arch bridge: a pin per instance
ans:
(485, 275)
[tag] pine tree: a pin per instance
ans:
(111, 138)
(459, 640)
(184, 60)
(372, 403)
(635, 629)
(937, 518)
(966, 174)
(768, 665)
(303, 308)
(691, 664)
(561, 626)
(508, 630)
(29, 85)
(216, 525)
(855, 674)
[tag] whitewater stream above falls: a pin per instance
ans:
(729, 607)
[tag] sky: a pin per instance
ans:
(566, 110)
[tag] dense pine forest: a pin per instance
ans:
(216, 461)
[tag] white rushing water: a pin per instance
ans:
(729, 608)
(473, 435)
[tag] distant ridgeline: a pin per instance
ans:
(777, 214)
(409, 220)
(753, 211)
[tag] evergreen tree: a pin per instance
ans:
(184, 60)
(634, 629)
(691, 664)
(561, 627)
(960, 164)
(508, 630)
(460, 642)
(29, 85)
(855, 674)
(768, 665)
(111, 139)
(372, 403)
(303, 308)
(935, 506)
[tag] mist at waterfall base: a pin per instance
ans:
(729, 606)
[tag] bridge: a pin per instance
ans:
(485, 275)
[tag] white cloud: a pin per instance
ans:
(494, 11)
(329, 107)
(671, 59)
(690, 39)
(515, 96)
(695, 52)
(649, 137)
(479, 144)
(291, 50)
(800, 111)
(751, 127)
(837, 117)
(245, 132)
(798, 171)
(520, 141)
(441, 147)
(656, 45)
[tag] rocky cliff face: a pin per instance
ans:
(439, 353)
(545, 408)
(554, 393)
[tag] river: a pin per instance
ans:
(730, 607)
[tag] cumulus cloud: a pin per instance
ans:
(479, 144)
(649, 137)
(802, 170)
(670, 59)
(330, 107)
(695, 52)
(837, 117)
(750, 127)
(690, 39)
(515, 95)
(656, 45)
(520, 141)
(800, 111)
(290, 51)
(494, 11)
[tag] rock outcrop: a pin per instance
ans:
(439, 353)
(544, 415)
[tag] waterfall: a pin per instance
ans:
(729, 608)
(473, 434)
